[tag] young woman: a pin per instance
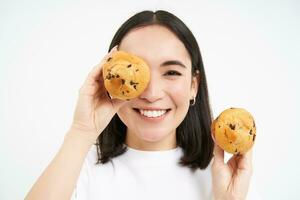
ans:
(156, 146)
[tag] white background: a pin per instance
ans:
(250, 52)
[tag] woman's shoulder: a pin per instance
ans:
(91, 160)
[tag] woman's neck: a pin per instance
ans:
(166, 143)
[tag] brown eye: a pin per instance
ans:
(172, 73)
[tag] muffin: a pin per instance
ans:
(125, 75)
(234, 130)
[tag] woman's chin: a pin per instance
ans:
(153, 136)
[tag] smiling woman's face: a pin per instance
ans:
(152, 118)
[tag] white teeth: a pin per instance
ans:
(153, 113)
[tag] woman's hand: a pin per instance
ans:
(94, 108)
(231, 180)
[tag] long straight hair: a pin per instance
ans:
(193, 135)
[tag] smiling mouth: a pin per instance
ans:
(151, 113)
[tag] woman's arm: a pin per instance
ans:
(93, 112)
(60, 177)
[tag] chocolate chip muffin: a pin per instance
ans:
(125, 75)
(234, 130)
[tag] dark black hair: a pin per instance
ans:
(193, 135)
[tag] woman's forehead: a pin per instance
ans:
(155, 42)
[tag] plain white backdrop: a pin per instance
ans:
(250, 52)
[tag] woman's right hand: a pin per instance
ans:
(94, 108)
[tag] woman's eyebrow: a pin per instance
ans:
(172, 62)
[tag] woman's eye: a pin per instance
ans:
(172, 73)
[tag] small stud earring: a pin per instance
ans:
(192, 101)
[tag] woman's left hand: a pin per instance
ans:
(231, 180)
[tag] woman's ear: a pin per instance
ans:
(195, 83)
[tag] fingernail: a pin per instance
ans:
(115, 48)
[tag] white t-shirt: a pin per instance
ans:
(146, 175)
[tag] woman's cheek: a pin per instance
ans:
(179, 92)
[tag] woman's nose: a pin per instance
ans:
(154, 90)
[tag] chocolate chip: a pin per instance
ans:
(127, 91)
(118, 76)
(129, 66)
(109, 59)
(219, 126)
(232, 126)
(254, 137)
(253, 123)
(137, 70)
(236, 151)
(133, 83)
(108, 76)
(250, 132)
(123, 81)
(134, 87)
(123, 92)
(113, 76)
